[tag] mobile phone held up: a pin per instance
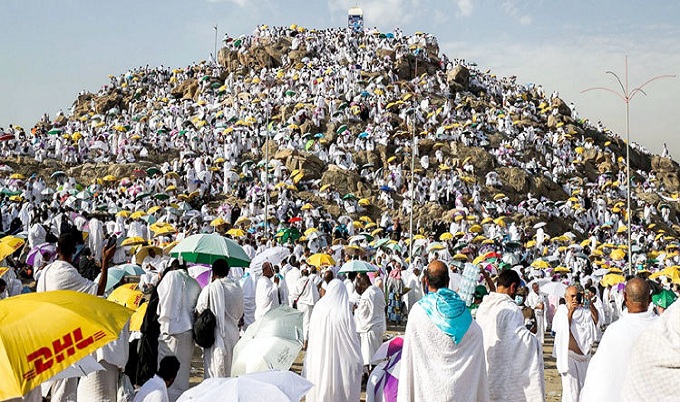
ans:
(579, 298)
(112, 241)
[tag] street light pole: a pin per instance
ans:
(413, 164)
(215, 54)
(626, 96)
(266, 178)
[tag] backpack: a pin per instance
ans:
(204, 327)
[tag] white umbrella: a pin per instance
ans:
(274, 255)
(270, 386)
(272, 342)
(556, 289)
(539, 225)
(81, 368)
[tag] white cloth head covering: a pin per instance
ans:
(333, 360)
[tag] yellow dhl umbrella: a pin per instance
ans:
(219, 221)
(137, 317)
(612, 279)
(617, 255)
(320, 259)
(236, 232)
(561, 270)
(460, 257)
(126, 297)
(446, 236)
(310, 231)
(133, 241)
(109, 178)
(44, 333)
(307, 207)
(418, 237)
(10, 244)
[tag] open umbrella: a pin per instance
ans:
(664, 299)
(384, 379)
(143, 252)
(46, 248)
(208, 248)
(272, 342)
(320, 259)
(115, 274)
(127, 297)
(357, 266)
(274, 255)
(44, 333)
(270, 386)
(10, 244)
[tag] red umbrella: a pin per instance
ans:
(295, 219)
(6, 137)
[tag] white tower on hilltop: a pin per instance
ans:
(355, 19)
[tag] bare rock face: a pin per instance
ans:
(187, 89)
(458, 78)
(345, 181)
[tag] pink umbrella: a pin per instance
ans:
(202, 274)
(384, 380)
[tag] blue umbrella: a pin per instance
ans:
(365, 94)
(115, 274)
(363, 135)
(386, 188)
(318, 135)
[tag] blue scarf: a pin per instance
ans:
(448, 312)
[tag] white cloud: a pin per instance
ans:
(514, 10)
(465, 7)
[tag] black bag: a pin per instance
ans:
(204, 327)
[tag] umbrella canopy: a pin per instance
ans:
(270, 386)
(133, 241)
(143, 252)
(10, 244)
(357, 266)
(612, 279)
(236, 232)
(556, 289)
(274, 255)
(320, 259)
(127, 297)
(272, 342)
(208, 248)
(115, 274)
(71, 326)
(46, 248)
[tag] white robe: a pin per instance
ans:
(333, 358)
(154, 390)
(60, 275)
(572, 366)
(369, 318)
(514, 357)
(434, 368)
(226, 302)
(266, 296)
(613, 353)
(654, 361)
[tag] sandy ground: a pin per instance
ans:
(553, 384)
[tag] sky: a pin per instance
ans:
(51, 50)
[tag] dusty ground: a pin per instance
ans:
(553, 384)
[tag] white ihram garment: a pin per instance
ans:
(369, 318)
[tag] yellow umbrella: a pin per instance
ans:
(109, 178)
(540, 264)
(460, 257)
(320, 259)
(475, 229)
(138, 215)
(446, 236)
(44, 333)
(617, 255)
(242, 221)
(17, 176)
(168, 247)
(126, 297)
(133, 241)
(310, 231)
(236, 232)
(138, 317)
(669, 272)
(612, 279)
(418, 237)
(153, 210)
(10, 244)
(307, 207)
(219, 221)
(561, 270)
(143, 252)
(170, 188)
(124, 213)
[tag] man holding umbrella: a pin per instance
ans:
(62, 275)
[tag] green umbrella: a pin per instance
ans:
(208, 248)
(290, 93)
(341, 129)
(349, 196)
(161, 196)
(309, 145)
(291, 234)
(55, 131)
(664, 299)
(152, 171)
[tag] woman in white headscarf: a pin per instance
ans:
(333, 360)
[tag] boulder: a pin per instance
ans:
(562, 107)
(308, 163)
(345, 181)
(458, 78)
(660, 164)
(188, 89)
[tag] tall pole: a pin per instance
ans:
(413, 163)
(266, 178)
(215, 54)
(626, 96)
